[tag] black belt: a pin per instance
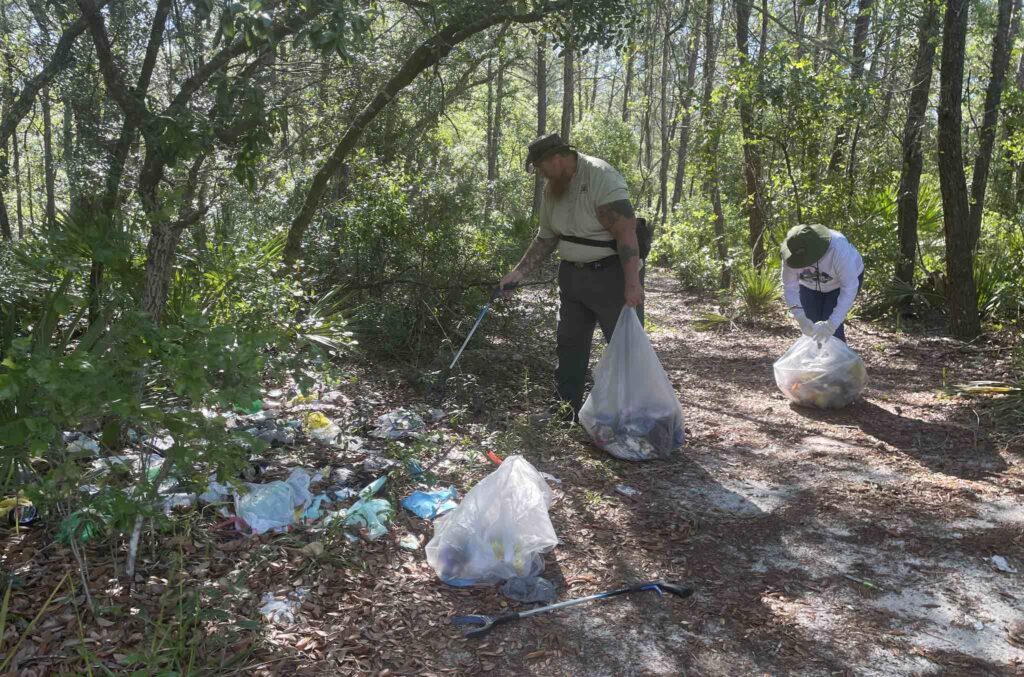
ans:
(593, 265)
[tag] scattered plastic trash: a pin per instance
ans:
(78, 443)
(275, 505)
(414, 467)
(410, 542)
(180, 500)
(632, 411)
(301, 399)
(826, 376)
(429, 504)
(398, 424)
(131, 462)
(530, 589)
(371, 513)
(215, 492)
(277, 437)
(550, 478)
(375, 465)
(251, 408)
(435, 415)
(500, 530)
(18, 511)
(343, 476)
(161, 443)
(281, 610)
(312, 513)
(321, 428)
(627, 491)
(343, 493)
(1000, 562)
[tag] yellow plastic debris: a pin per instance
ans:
(315, 420)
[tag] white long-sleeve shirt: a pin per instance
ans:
(838, 269)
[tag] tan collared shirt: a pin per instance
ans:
(575, 213)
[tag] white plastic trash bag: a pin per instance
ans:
(827, 376)
(500, 530)
(632, 412)
(275, 505)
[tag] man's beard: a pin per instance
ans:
(557, 188)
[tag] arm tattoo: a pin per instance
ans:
(626, 252)
(610, 213)
(539, 250)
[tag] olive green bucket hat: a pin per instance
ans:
(544, 147)
(805, 244)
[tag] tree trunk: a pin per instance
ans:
(1002, 45)
(568, 89)
(686, 98)
(960, 288)
(578, 78)
(646, 139)
(913, 159)
(711, 139)
(860, 34)
(51, 209)
(542, 114)
(492, 161)
(627, 90)
(29, 192)
(751, 156)
(499, 112)
(1019, 166)
(666, 43)
(17, 186)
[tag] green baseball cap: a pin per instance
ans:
(805, 244)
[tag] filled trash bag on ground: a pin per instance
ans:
(501, 529)
(827, 376)
(632, 412)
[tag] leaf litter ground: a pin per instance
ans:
(851, 542)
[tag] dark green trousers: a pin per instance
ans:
(589, 295)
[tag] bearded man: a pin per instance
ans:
(585, 211)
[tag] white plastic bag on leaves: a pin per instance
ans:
(275, 505)
(500, 530)
(827, 376)
(632, 412)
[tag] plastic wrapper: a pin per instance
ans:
(632, 411)
(501, 529)
(826, 376)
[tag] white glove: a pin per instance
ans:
(822, 331)
(806, 326)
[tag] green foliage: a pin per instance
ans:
(612, 140)
(411, 255)
(685, 244)
(758, 291)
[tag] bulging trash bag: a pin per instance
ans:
(500, 530)
(827, 376)
(632, 412)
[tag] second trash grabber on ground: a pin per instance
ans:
(480, 625)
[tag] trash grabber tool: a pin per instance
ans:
(480, 625)
(483, 311)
